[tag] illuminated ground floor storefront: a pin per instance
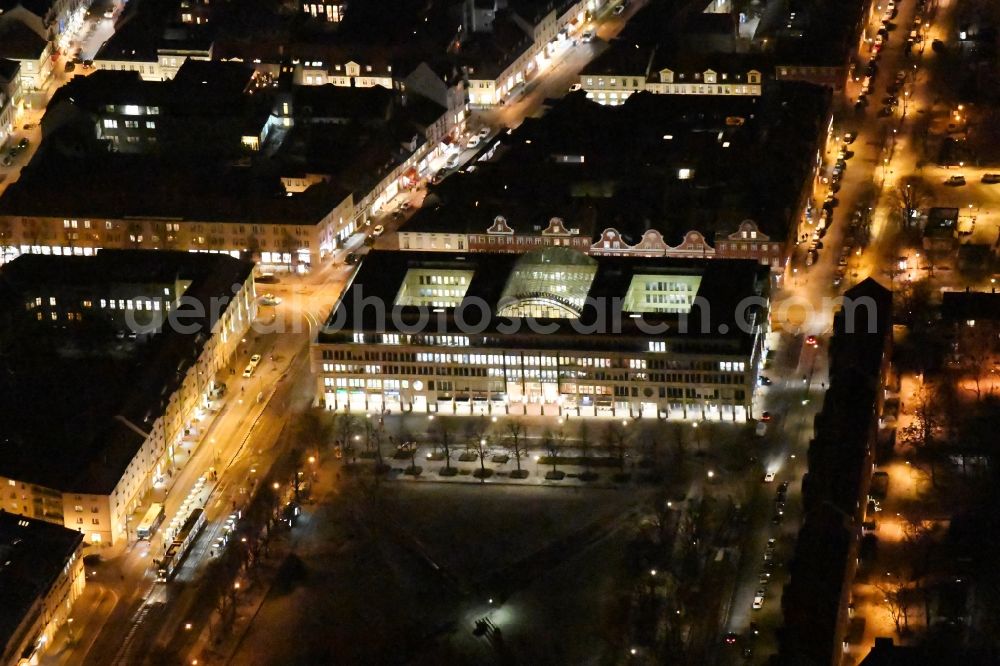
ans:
(359, 401)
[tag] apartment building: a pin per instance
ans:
(10, 97)
(41, 576)
(103, 390)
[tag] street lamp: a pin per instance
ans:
(276, 485)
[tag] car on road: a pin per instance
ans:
(270, 299)
(783, 488)
(6, 161)
(758, 599)
(769, 477)
(991, 178)
(731, 638)
(484, 132)
(776, 518)
(378, 230)
(473, 141)
(812, 341)
(405, 206)
(248, 371)
(955, 181)
(29, 126)
(779, 507)
(22, 144)
(453, 160)
(588, 36)
(765, 416)
(849, 137)
(351, 258)
(765, 380)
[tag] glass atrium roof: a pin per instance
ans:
(550, 282)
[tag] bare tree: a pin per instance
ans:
(896, 600)
(554, 443)
(923, 433)
(482, 448)
(616, 441)
(910, 195)
(313, 428)
(515, 434)
(584, 445)
(975, 348)
(444, 435)
(346, 425)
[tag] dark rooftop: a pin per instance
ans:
(33, 553)
(75, 399)
(54, 186)
(964, 306)
(19, 41)
(722, 284)
(8, 68)
(667, 162)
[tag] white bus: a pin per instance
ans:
(152, 519)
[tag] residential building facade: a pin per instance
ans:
(139, 444)
(42, 576)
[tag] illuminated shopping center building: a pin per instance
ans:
(551, 332)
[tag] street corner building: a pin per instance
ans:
(548, 332)
(108, 364)
(41, 575)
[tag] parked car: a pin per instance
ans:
(378, 230)
(588, 36)
(351, 258)
(484, 132)
(270, 299)
(473, 141)
(453, 160)
(991, 178)
(955, 181)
